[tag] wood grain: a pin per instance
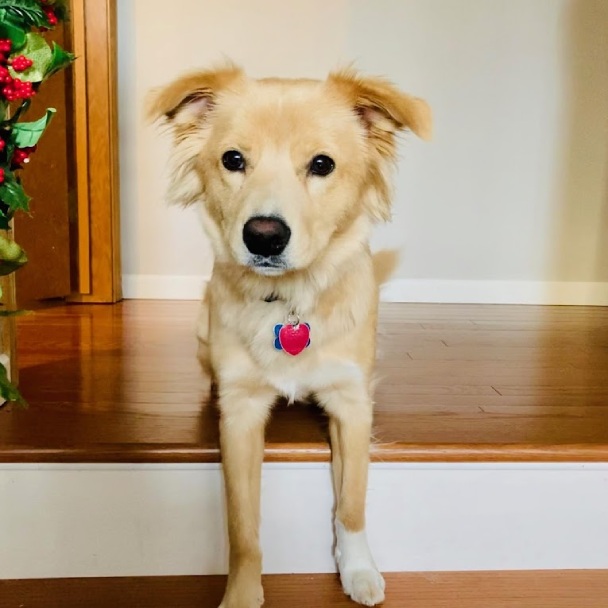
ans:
(121, 383)
(81, 248)
(526, 589)
(100, 140)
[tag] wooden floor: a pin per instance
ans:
(554, 589)
(121, 383)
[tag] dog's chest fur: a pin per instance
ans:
(242, 341)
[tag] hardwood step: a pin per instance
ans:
(526, 589)
(459, 383)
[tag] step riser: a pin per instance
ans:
(139, 520)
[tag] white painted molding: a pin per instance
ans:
(496, 292)
(169, 287)
(162, 287)
(148, 520)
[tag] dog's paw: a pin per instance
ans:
(364, 586)
(358, 573)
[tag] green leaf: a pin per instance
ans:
(13, 195)
(10, 251)
(60, 59)
(27, 134)
(26, 13)
(12, 257)
(11, 30)
(4, 225)
(21, 109)
(37, 49)
(61, 10)
(9, 149)
(10, 267)
(8, 390)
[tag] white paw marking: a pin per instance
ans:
(358, 573)
(363, 586)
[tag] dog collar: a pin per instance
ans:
(292, 337)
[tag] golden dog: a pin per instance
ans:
(290, 175)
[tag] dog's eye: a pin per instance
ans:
(233, 160)
(322, 165)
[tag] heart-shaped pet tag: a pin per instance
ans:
(293, 339)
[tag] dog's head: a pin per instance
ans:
(284, 168)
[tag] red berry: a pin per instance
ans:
(21, 63)
(17, 89)
(1, 175)
(50, 15)
(5, 45)
(2, 145)
(20, 156)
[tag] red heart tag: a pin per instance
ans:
(294, 338)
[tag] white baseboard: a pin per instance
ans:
(167, 287)
(148, 520)
(496, 292)
(162, 287)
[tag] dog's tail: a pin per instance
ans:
(385, 262)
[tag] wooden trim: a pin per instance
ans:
(96, 142)
(81, 147)
(524, 589)
(303, 452)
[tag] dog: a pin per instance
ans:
(290, 176)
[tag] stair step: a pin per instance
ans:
(525, 589)
(112, 471)
(459, 383)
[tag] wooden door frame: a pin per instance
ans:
(96, 232)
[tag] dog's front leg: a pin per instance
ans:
(244, 410)
(350, 411)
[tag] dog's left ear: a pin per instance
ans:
(383, 108)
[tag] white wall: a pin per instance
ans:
(508, 203)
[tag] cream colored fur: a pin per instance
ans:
(331, 279)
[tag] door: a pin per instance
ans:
(45, 234)
(72, 237)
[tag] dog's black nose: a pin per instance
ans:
(266, 236)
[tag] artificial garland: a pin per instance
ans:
(27, 60)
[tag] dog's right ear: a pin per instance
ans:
(187, 100)
(184, 105)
